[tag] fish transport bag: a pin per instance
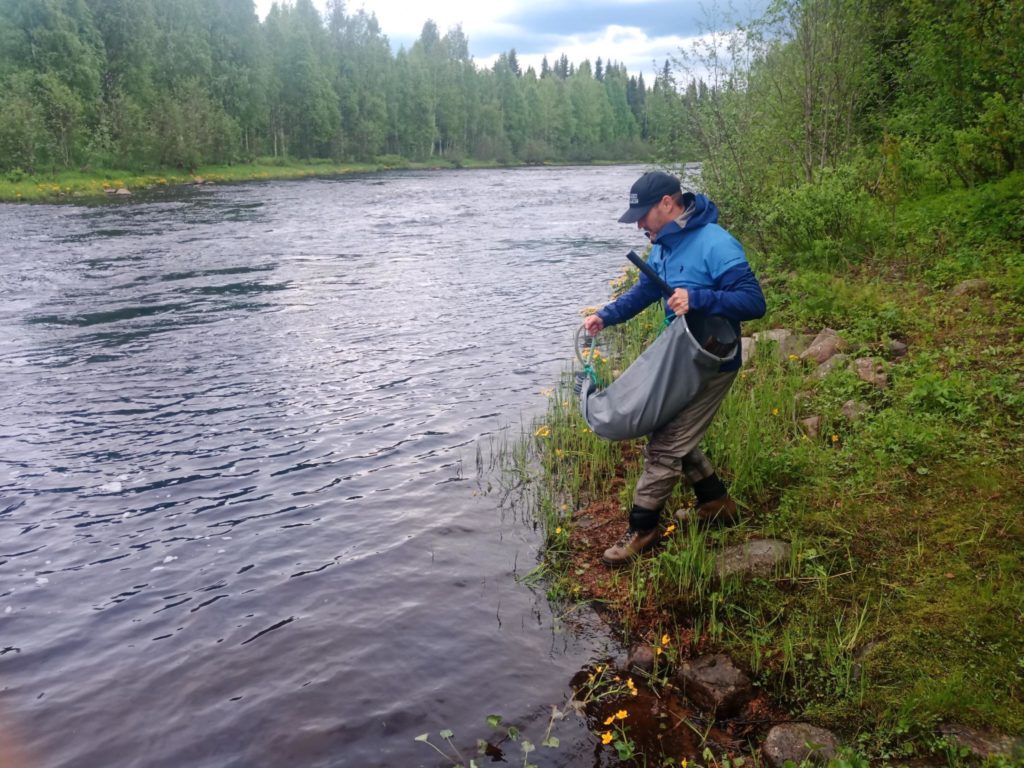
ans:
(660, 382)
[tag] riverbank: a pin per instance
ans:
(93, 184)
(894, 473)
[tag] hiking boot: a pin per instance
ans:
(629, 547)
(718, 512)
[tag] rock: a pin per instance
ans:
(825, 345)
(798, 742)
(975, 287)
(836, 361)
(897, 349)
(811, 426)
(198, 181)
(715, 684)
(747, 346)
(642, 658)
(871, 371)
(122, 192)
(787, 343)
(755, 558)
(982, 744)
(852, 410)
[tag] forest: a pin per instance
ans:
(142, 84)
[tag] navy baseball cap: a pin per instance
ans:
(646, 192)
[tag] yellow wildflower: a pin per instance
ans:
(683, 763)
(632, 688)
(599, 668)
(609, 720)
(669, 530)
(775, 411)
(606, 737)
(558, 530)
(835, 438)
(543, 431)
(794, 357)
(665, 639)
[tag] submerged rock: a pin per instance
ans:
(755, 558)
(715, 683)
(798, 742)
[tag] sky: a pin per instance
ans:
(638, 33)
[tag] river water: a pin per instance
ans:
(246, 442)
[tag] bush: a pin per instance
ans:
(822, 224)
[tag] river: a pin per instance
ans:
(246, 444)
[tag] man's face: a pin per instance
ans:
(660, 214)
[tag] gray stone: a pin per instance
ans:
(825, 345)
(975, 287)
(715, 684)
(747, 346)
(836, 361)
(982, 744)
(798, 742)
(811, 426)
(897, 349)
(755, 558)
(787, 342)
(642, 658)
(852, 410)
(871, 371)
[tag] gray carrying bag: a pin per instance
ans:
(660, 382)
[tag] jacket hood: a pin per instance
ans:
(699, 213)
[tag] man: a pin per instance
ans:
(709, 272)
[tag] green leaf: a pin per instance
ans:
(422, 737)
(527, 747)
(550, 741)
(494, 720)
(513, 733)
(446, 734)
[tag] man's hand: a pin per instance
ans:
(679, 301)
(593, 324)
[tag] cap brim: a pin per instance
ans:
(634, 214)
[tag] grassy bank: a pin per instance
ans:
(68, 186)
(902, 607)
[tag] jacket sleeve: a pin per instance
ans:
(631, 303)
(737, 295)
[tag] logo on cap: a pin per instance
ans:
(634, 198)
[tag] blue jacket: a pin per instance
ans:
(709, 263)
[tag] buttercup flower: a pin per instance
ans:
(606, 737)
(621, 714)
(609, 720)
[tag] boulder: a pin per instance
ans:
(983, 744)
(640, 657)
(871, 371)
(755, 558)
(825, 345)
(811, 426)
(975, 287)
(747, 346)
(715, 684)
(836, 361)
(787, 342)
(852, 410)
(897, 349)
(798, 742)
(122, 192)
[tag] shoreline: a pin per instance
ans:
(103, 184)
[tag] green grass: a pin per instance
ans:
(903, 606)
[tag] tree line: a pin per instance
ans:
(815, 115)
(181, 83)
